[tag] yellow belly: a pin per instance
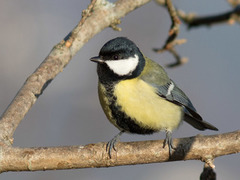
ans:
(140, 101)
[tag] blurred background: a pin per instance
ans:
(68, 113)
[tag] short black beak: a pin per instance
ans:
(96, 59)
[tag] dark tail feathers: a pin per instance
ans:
(199, 124)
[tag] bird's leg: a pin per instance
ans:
(112, 142)
(168, 141)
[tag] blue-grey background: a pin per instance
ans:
(68, 112)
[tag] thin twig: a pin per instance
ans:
(191, 20)
(73, 34)
(179, 60)
(172, 40)
(174, 29)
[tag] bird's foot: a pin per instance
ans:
(112, 142)
(168, 141)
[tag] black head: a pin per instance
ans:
(119, 59)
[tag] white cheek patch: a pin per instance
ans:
(123, 67)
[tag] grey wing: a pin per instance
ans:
(172, 93)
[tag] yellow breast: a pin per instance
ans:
(140, 101)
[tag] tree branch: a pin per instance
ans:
(191, 20)
(204, 148)
(95, 19)
(172, 40)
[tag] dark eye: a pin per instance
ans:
(115, 57)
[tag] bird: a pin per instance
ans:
(138, 97)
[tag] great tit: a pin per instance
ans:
(137, 95)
